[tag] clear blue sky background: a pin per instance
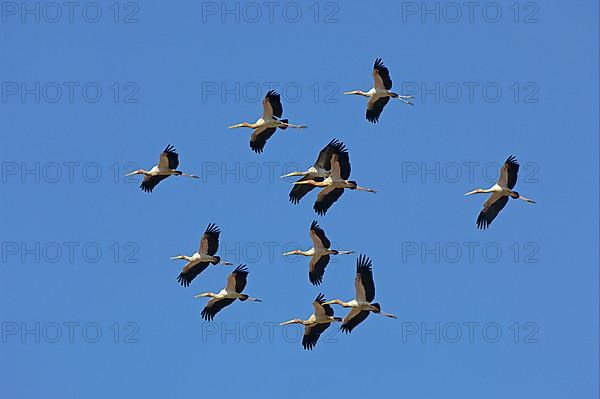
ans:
(171, 56)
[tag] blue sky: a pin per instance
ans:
(88, 96)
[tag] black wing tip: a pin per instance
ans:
(309, 345)
(257, 148)
(512, 160)
(483, 223)
(320, 298)
(315, 226)
(294, 200)
(184, 280)
(371, 117)
(346, 329)
(241, 269)
(169, 149)
(339, 146)
(315, 279)
(363, 263)
(319, 209)
(272, 93)
(378, 63)
(207, 314)
(212, 228)
(146, 188)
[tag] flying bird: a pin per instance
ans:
(365, 294)
(319, 253)
(500, 193)
(334, 185)
(199, 261)
(318, 172)
(236, 282)
(167, 166)
(266, 125)
(316, 324)
(380, 94)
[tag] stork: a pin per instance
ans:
(266, 125)
(316, 324)
(380, 94)
(199, 261)
(365, 294)
(318, 172)
(319, 253)
(167, 166)
(334, 185)
(500, 193)
(236, 282)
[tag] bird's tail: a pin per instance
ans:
(393, 95)
(338, 319)
(216, 261)
(284, 121)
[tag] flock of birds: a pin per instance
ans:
(331, 173)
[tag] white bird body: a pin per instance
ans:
(196, 257)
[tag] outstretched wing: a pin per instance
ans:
(209, 243)
(324, 159)
(259, 138)
(375, 108)
(149, 182)
(340, 165)
(327, 197)
(300, 190)
(312, 333)
(190, 271)
(169, 159)
(381, 76)
(214, 306)
(508, 173)
(236, 282)
(318, 237)
(364, 284)
(316, 269)
(272, 105)
(491, 209)
(322, 311)
(354, 318)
